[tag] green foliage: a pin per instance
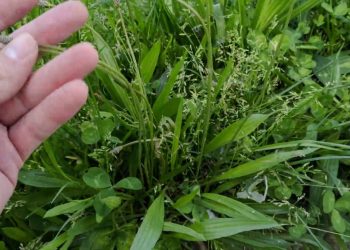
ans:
(151, 227)
(234, 114)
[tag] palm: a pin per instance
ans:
(27, 99)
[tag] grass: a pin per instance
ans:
(210, 125)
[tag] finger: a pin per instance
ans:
(75, 63)
(9, 166)
(13, 10)
(16, 63)
(49, 115)
(9, 159)
(57, 24)
(6, 190)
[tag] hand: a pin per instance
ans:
(34, 104)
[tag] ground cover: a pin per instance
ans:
(210, 125)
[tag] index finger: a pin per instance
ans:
(13, 10)
(56, 24)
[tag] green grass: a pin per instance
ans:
(210, 124)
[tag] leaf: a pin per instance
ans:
(164, 95)
(331, 168)
(169, 109)
(283, 193)
(328, 201)
(305, 143)
(338, 222)
(183, 232)
(56, 242)
(327, 7)
(233, 207)
(297, 231)
(104, 203)
(89, 133)
(223, 227)
(131, 183)
(341, 9)
(105, 127)
(261, 164)
(149, 62)
(17, 234)
(82, 226)
(104, 50)
(40, 179)
(219, 21)
(330, 68)
(177, 132)
(236, 131)
(3, 246)
(260, 240)
(182, 204)
(68, 208)
(343, 203)
(151, 227)
(97, 178)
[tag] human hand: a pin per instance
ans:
(34, 105)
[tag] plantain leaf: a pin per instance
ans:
(149, 62)
(223, 227)
(17, 234)
(184, 203)
(38, 178)
(163, 97)
(151, 227)
(236, 131)
(233, 207)
(183, 232)
(262, 163)
(67, 208)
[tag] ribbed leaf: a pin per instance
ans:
(68, 208)
(38, 178)
(164, 95)
(151, 227)
(262, 163)
(224, 227)
(236, 131)
(183, 232)
(233, 207)
(149, 62)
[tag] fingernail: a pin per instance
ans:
(20, 47)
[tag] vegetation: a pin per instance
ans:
(210, 124)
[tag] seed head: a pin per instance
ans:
(43, 3)
(4, 39)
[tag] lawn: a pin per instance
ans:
(211, 124)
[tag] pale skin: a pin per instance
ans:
(35, 104)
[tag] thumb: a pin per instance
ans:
(16, 62)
